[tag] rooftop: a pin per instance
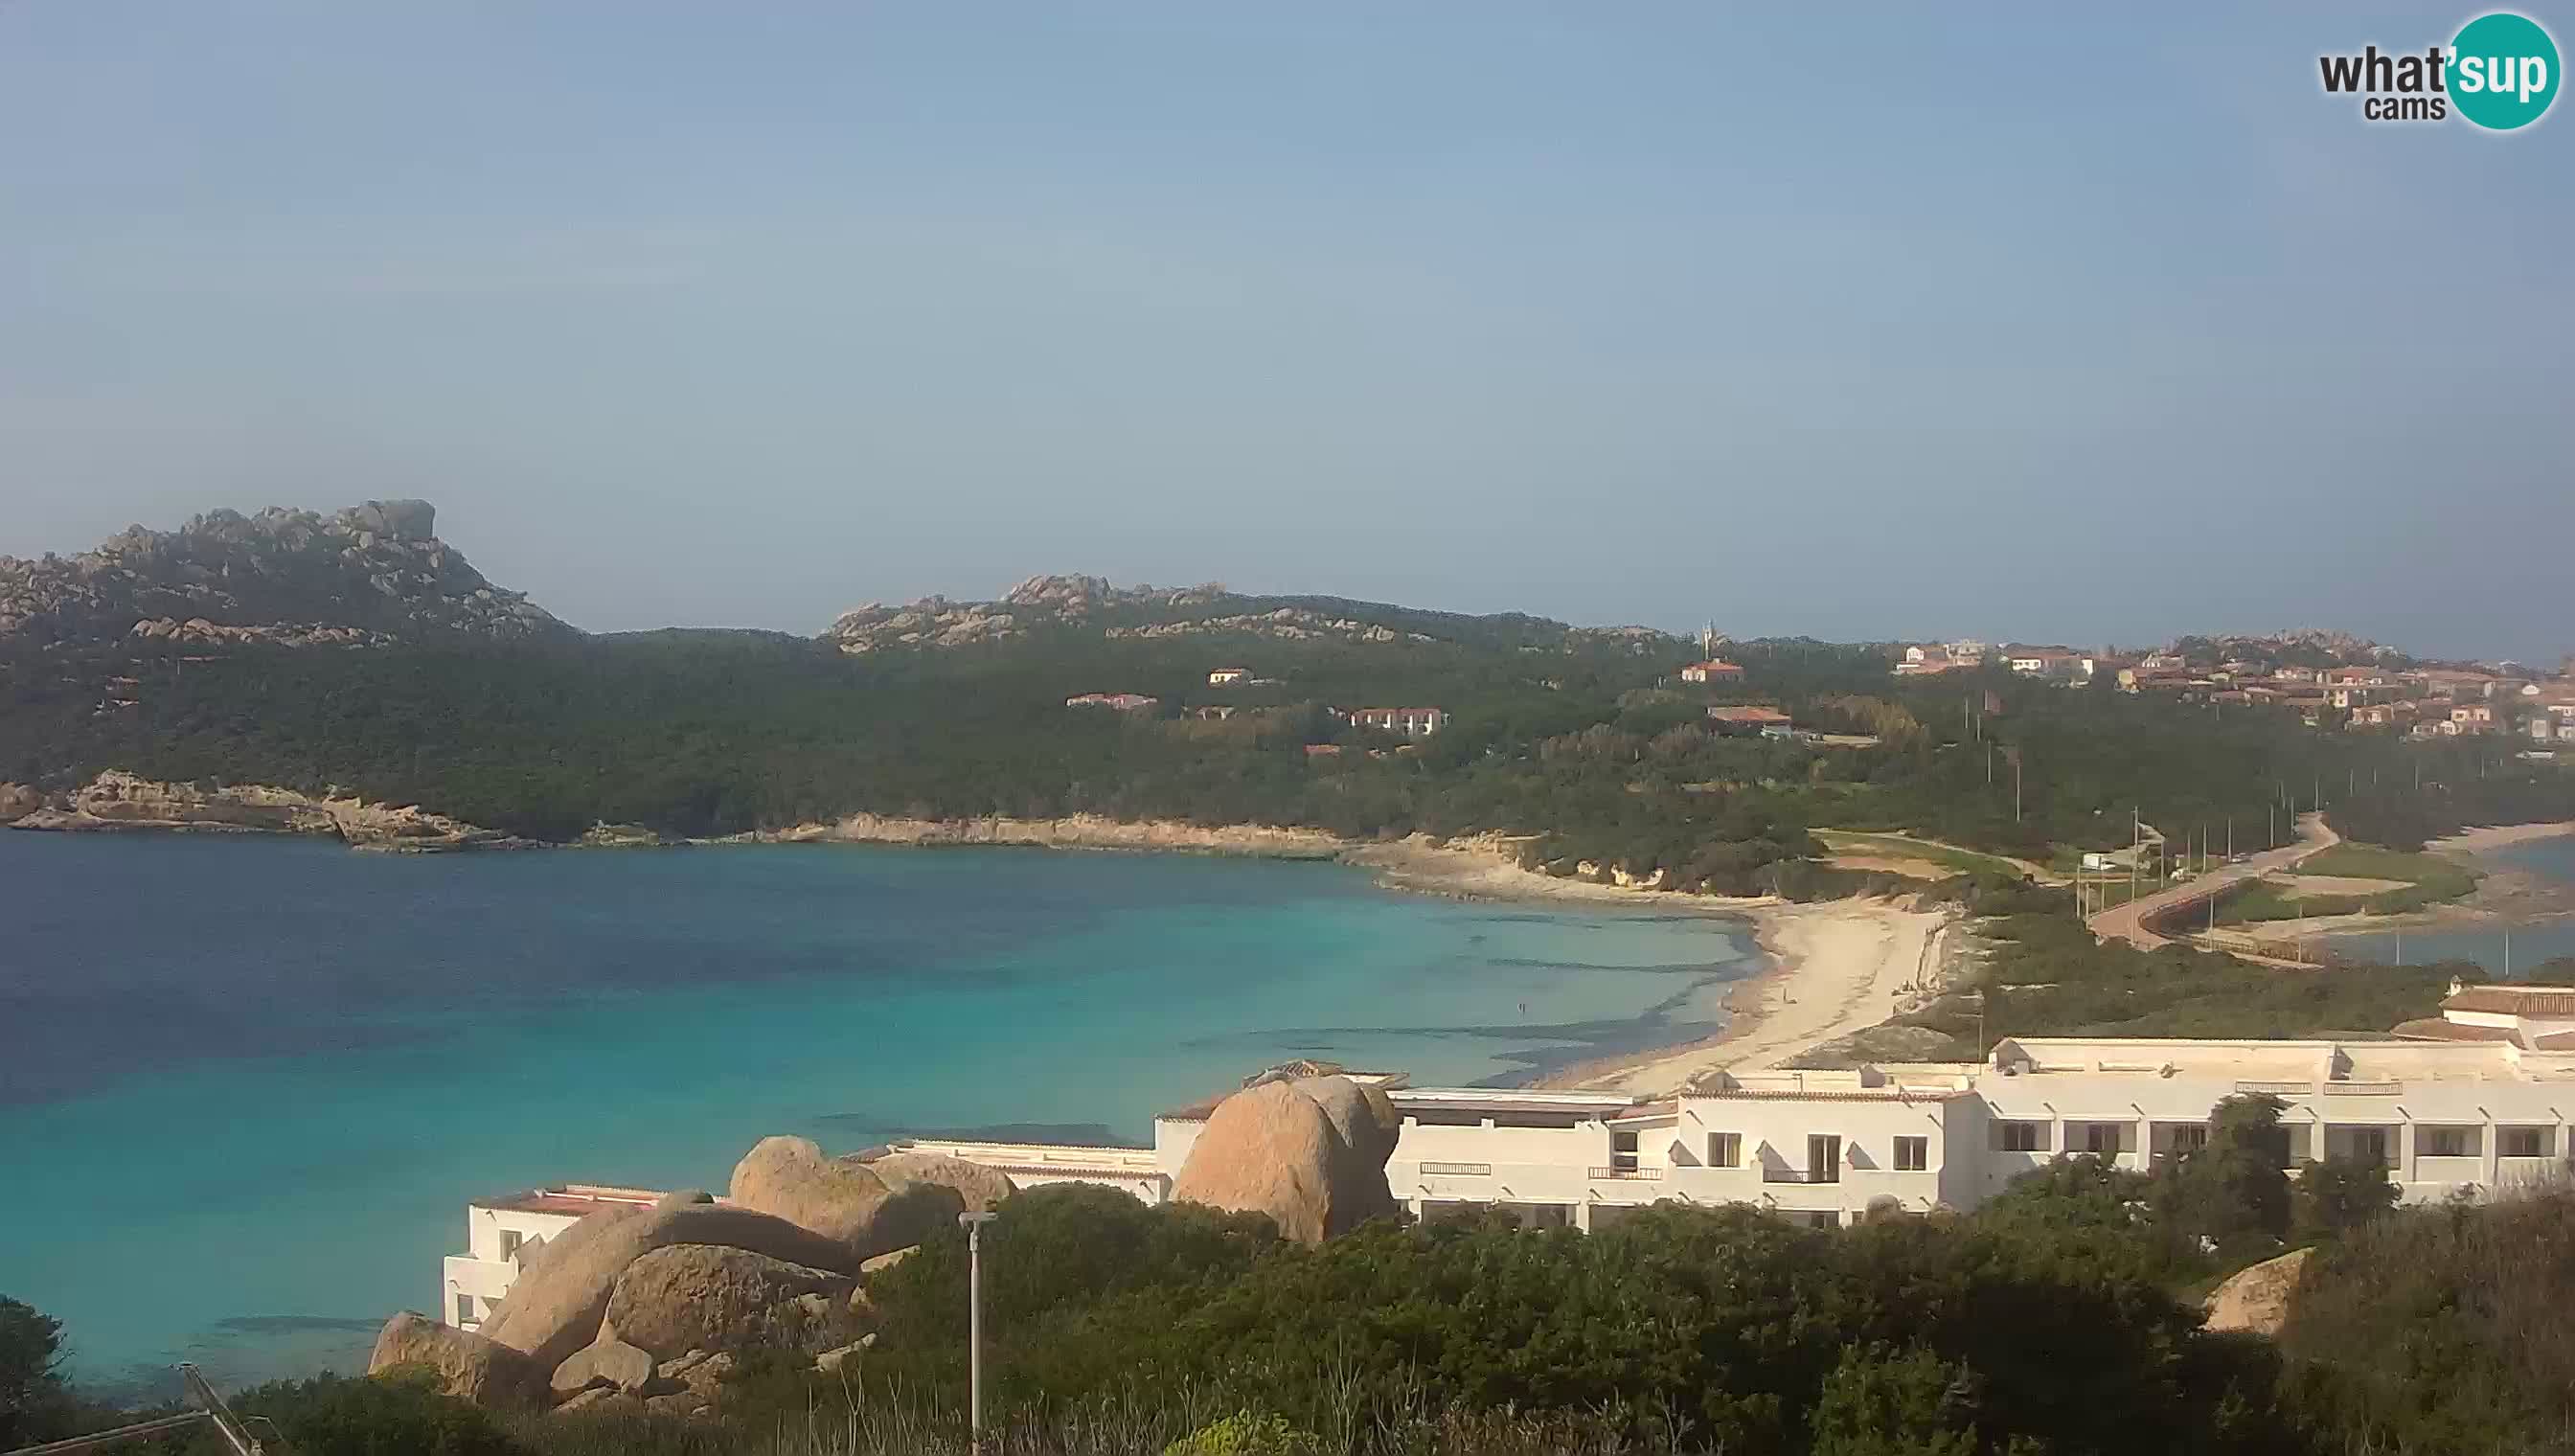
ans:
(573, 1200)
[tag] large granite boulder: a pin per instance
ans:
(556, 1304)
(2257, 1299)
(17, 801)
(843, 1199)
(1310, 1152)
(609, 1361)
(704, 1297)
(980, 1186)
(469, 1366)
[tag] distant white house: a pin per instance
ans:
(1406, 723)
(1122, 702)
(1227, 677)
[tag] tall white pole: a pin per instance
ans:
(973, 1223)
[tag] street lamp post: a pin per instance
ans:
(972, 1223)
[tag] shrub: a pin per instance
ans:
(1246, 1434)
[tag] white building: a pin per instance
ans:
(500, 1233)
(1406, 723)
(2475, 1100)
(2448, 1116)
(1227, 677)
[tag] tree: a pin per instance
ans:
(2234, 1190)
(33, 1397)
(1879, 1402)
(2340, 1194)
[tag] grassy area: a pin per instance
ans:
(1899, 846)
(2437, 877)
(2429, 879)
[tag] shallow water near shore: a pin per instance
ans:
(246, 1085)
(2518, 948)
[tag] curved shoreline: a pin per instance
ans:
(1836, 968)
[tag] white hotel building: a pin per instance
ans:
(2470, 1103)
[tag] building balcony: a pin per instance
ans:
(2468, 1169)
(1625, 1174)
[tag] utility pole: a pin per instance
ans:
(974, 1224)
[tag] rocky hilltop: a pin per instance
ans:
(938, 622)
(1093, 604)
(365, 575)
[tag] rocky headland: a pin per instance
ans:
(114, 800)
(366, 575)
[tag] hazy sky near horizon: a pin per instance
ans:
(2099, 325)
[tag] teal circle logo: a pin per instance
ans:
(2503, 71)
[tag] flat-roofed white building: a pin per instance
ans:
(2446, 1118)
(500, 1233)
(2466, 1105)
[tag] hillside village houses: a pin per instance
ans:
(2474, 1102)
(1715, 669)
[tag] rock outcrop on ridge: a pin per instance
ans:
(366, 575)
(1309, 1151)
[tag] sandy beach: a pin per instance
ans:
(1840, 966)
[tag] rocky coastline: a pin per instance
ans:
(120, 801)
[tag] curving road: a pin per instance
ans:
(2128, 921)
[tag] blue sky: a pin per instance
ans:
(2101, 325)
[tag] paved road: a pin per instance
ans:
(2128, 921)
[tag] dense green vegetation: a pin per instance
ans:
(2059, 1318)
(1587, 741)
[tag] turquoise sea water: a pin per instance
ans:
(246, 1085)
(2529, 945)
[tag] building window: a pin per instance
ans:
(2522, 1142)
(1912, 1154)
(1726, 1149)
(2369, 1144)
(464, 1310)
(2190, 1139)
(510, 1238)
(2446, 1142)
(1823, 1220)
(2102, 1139)
(2020, 1136)
(1823, 1159)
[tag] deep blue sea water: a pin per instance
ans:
(246, 1085)
(2529, 945)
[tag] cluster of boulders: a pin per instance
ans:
(652, 1307)
(358, 576)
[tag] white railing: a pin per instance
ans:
(2388, 1088)
(1641, 1174)
(2283, 1090)
(1457, 1170)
